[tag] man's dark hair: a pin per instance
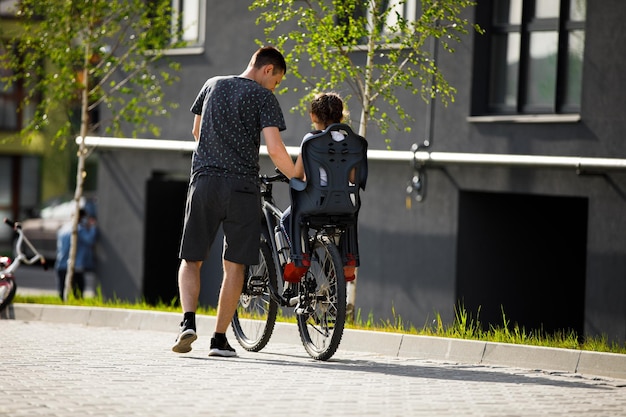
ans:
(269, 55)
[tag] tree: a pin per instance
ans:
(372, 46)
(77, 57)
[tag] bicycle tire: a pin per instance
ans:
(255, 317)
(321, 329)
(7, 291)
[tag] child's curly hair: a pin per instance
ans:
(328, 108)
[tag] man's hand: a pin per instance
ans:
(277, 151)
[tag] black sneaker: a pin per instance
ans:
(184, 340)
(221, 348)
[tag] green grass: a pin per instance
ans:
(99, 301)
(464, 325)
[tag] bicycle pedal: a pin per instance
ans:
(306, 310)
(256, 286)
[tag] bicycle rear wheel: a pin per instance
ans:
(7, 291)
(321, 326)
(253, 322)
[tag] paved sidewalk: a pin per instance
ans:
(389, 344)
(65, 369)
(33, 280)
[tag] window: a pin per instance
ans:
(15, 111)
(398, 9)
(19, 189)
(530, 59)
(188, 25)
(9, 101)
(190, 11)
(6, 209)
(8, 8)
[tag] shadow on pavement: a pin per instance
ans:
(432, 370)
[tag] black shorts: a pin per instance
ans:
(236, 205)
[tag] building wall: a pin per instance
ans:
(409, 255)
(600, 133)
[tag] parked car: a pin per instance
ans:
(42, 229)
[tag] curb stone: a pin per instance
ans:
(600, 364)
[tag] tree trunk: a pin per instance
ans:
(365, 113)
(80, 177)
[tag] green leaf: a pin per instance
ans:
(332, 41)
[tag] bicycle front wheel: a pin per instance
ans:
(7, 291)
(253, 322)
(322, 320)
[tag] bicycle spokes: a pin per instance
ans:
(324, 294)
(253, 322)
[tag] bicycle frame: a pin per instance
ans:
(7, 268)
(19, 252)
(272, 215)
(318, 296)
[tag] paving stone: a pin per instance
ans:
(66, 369)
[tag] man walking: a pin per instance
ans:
(231, 112)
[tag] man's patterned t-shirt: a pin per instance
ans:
(234, 111)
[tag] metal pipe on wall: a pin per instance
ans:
(419, 158)
(428, 159)
(535, 161)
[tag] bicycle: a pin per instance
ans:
(8, 286)
(310, 267)
(319, 296)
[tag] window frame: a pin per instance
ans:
(407, 9)
(17, 96)
(8, 9)
(482, 108)
(197, 47)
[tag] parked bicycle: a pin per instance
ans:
(8, 286)
(318, 298)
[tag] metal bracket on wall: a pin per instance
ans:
(416, 188)
(422, 159)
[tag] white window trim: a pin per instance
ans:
(198, 47)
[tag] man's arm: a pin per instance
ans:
(277, 151)
(197, 120)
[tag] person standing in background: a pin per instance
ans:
(87, 232)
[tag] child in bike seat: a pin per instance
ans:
(326, 109)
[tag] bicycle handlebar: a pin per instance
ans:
(21, 257)
(266, 179)
(11, 223)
